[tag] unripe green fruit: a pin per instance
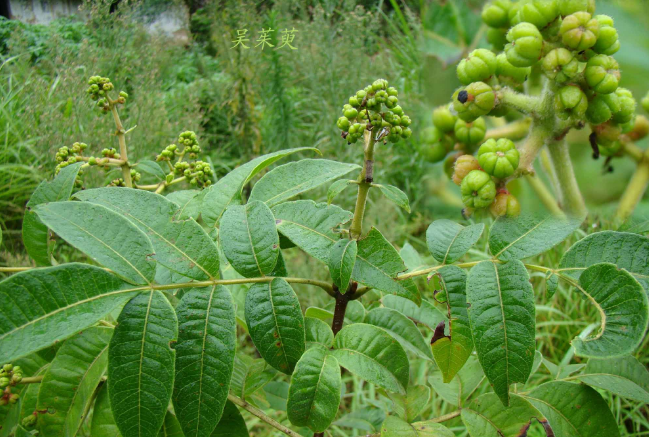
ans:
(639, 128)
(539, 12)
(498, 158)
(470, 133)
(514, 16)
(505, 204)
(509, 74)
(391, 102)
(392, 91)
(396, 130)
(579, 31)
(480, 65)
(474, 101)
(497, 38)
(9, 367)
(627, 106)
(406, 133)
(351, 113)
(496, 13)
(478, 189)
(4, 381)
(434, 152)
(397, 110)
(353, 100)
(343, 123)
(443, 119)
(570, 101)
(360, 95)
(379, 84)
(608, 41)
(567, 7)
(602, 74)
(405, 121)
(463, 165)
(560, 65)
(602, 107)
(526, 44)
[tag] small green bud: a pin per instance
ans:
(608, 41)
(379, 84)
(498, 158)
(627, 106)
(602, 74)
(463, 165)
(571, 101)
(478, 189)
(13, 398)
(567, 7)
(480, 65)
(397, 110)
(508, 74)
(343, 123)
(123, 94)
(526, 44)
(405, 121)
(406, 133)
(471, 133)
(16, 378)
(391, 102)
(560, 65)
(392, 91)
(505, 204)
(473, 101)
(353, 100)
(602, 107)
(7, 367)
(360, 95)
(443, 119)
(496, 13)
(579, 31)
(539, 12)
(434, 152)
(396, 130)
(4, 381)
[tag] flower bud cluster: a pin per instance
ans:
(10, 375)
(98, 90)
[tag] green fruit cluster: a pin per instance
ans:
(69, 155)
(98, 90)
(364, 111)
(198, 173)
(10, 375)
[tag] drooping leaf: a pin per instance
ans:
(449, 241)
(525, 236)
(276, 324)
(249, 375)
(103, 424)
(336, 188)
(372, 354)
(42, 306)
(573, 410)
(377, 265)
(34, 232)
(318, 332)
(289, 180)
(486, 417)
(425, 314)
(231, 423)
(395, 195)
(71, 380)
(251, 244)
(204, 358)
(623, 376)
(141, 364)
(458, 390)
(402, 329)
(410, 405)
(180, 245)
(451, 352)
(623, 308)
(314, 394)
(395, 427)
(219, 196)
(103, 235)
(341, 263)
(310, 225)
(625, 250)
(501, 314)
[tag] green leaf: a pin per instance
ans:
(103, 424)
(372, 354)
(171, 427)
(410, 257)
(249, 376)
(227, 190)
(104, 236)
(289, 180)
(43, 306)
(276, 324)
(573, 410)
(336, 188)
(71, 380)
(458, 390)
(395, 427)
(252, 243)
(525, 236)
(377, 265)
(180, 245)
(426, 314)
(627, 251)
(410, 405)
(151, 168)
(341, 263)
(141, 364)
(402, 329)
(501, 313)
(623, 376)
(311, 225)
(188, 202)
(365, 419)
(318, 332)
(449, 241)
(355, 312)
(35, 234)
(551, 284)
(395, 195)
(314, 395)
(204, 358)
(231, 424)
(276, 393)
(451, 352)
(486, 417)
(623, 309)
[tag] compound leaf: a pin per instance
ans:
(501, 314)
(401, 328)
(341, 263)
(486, 417)
(623, 376)
(372, 354)
(449, 241)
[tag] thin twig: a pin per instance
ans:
(261, 415)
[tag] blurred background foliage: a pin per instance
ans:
(244, 103)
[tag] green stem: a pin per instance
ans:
(544, 194)
(521, 102)
(123, 152)
(570, 197)
(32, 380)
(261, 415)
(515, 131)
(635, 190)
(364, 184)
(530, 149)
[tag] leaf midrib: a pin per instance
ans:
(521, 237)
